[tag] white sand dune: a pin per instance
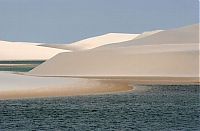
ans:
(175, 53)
(187, 34)
(24, 51)
(94, 42)
(180, 60)
(103, 40)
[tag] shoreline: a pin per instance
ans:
(136, 79)
(21, 86)
(14, 86)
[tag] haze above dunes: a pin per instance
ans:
(26, 51)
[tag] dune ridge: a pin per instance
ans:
(94, 42)
(147, 33)
(182, 35)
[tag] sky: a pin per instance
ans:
(66, 21)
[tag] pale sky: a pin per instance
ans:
(65, 21)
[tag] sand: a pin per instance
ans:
(102, 40)
(182, 35)
(147, 33)
(94, 42)
(16, 86)
(173, 54)
(158, 57)
(154, 60)
(26, 51)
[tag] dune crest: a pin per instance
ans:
(94, 42)
(148, 33)
(182, 35)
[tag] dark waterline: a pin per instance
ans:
(146, 108)
(22, 62)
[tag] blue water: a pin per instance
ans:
(17, 66)
(147, 108)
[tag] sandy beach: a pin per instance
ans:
(16, 86)
(19, 86)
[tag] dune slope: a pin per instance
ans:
(187, 34)
(156, 60)
(172, 53)
(24, 51)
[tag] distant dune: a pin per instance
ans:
(187, 34)
(26, 51)
(148, 33)
(94, 42)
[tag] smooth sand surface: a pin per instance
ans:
(171, 53)
(182, 35)
(180, 60)
(94, 42)
(26, 51)
(16, 86)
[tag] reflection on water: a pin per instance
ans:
(152, 108)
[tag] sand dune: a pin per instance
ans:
(24, 51)
(94, 42)
(155, 60)
(98, 41)
(158, 57)
(172, 53)
(187, 34)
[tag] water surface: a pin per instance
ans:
(19, 66)
(146, 108)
